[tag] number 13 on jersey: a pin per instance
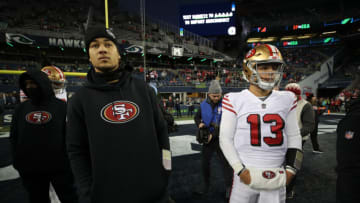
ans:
(255, 129)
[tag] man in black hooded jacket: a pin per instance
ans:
(37, 136)
(348, 155)
(117, 138)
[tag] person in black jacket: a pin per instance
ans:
(37, 136)
(117, 138)
(209, 117)
(348, 155)
(318, 110)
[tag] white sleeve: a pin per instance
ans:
(292, 129)
(227, 133)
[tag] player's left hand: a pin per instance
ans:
(289, 177)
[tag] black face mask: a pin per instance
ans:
(110, 76)
(34, 94)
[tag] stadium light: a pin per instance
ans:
(251, 40)
(84, 50)
(38, 47)
(189, 59)
(328, 39)
(159, 56)
(331, 32)
(202, 60)
(292, 37)
(305, 36)
(346, 20)
(62, 49)
(8, 43)
(214, 61)
(268, 39)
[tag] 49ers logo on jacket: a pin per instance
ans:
(120, 112)
(38, 117)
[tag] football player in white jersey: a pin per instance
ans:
(58, 81)
(259, 133)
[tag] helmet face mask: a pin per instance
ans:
(58, 88)
(263, 66)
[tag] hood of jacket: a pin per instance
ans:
(43, 82)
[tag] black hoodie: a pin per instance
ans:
(37, 132)
(115, 138)
(348, 140)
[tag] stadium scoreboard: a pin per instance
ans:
(208, 19)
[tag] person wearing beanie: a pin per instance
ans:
(306, 121)
(113, 159)
(207, 119)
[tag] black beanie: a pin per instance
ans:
(97, 32)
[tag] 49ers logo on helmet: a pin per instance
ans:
(250, 53)
(268, 174)
(47, 71)
(38, 117)
(120, 112)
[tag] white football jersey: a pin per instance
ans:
(262, 128)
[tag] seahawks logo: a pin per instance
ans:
(119, 112)
(134, 49)
(19, 38)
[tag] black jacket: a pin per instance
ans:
(348, 141)
(37, 132)
(116, 134)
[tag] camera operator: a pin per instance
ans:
(207, 120)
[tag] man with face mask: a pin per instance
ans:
(37, 136)
(117, 138)
(207, 119)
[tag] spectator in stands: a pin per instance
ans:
(227, 81)
(163, 75)
(37, 137)
(137, 164)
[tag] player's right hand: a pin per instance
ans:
(245, 177)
